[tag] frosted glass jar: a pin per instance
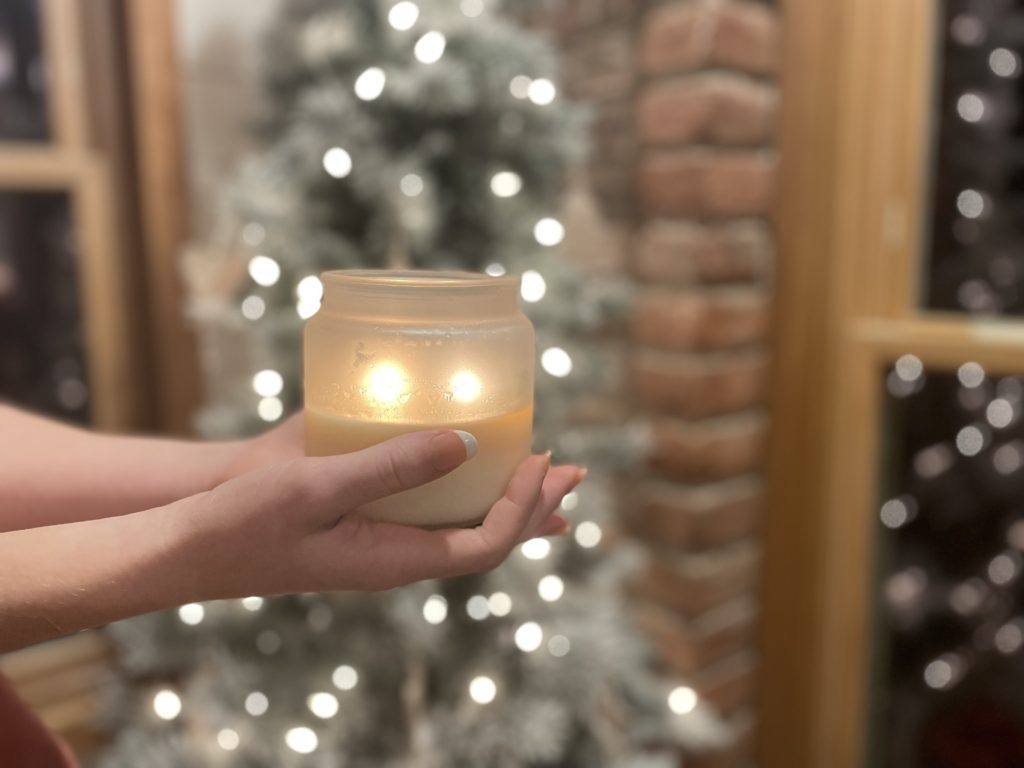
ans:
(391, 352)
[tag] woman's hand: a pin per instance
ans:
(291, 527)
(283, 443)
(295, 527)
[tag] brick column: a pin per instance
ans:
(704, 114)
(684, 100)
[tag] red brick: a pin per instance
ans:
(708, 319)
(716, 108)
(684, 35)
(748, 37)
(730, 685)
(676, 36)
(693, 518)
(685, 252)
(707, 183)
(690, 584)
(689, 646)
(697, 385)
(709, 450)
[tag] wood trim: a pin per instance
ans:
(855, 144)
(118, 403)
(63, 681)
(31, 167)
(805, 216)
(161, 178)
(62, 49)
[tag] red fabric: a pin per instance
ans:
(24, 740)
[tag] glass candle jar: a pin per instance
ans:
(391, 352)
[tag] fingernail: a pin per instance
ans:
(472, 446)
(580, 476)
(547, 458)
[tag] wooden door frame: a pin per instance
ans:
(855, 139)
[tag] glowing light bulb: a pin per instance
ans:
(556, 361)
(970, 107)
(253, 307)
(588, 534)
(252, 603)
(386, 384)
(264, 270)
(482, 689)
(478, 607)
(506, 184)
(337, 162)
(302, 740)
(495, 269)
(536, 549)
(550, 588)
(323, 705)
(270, 408)
(309, 289)
(411, 185)
(970, 203)
(971, 375)
(403, 16)
(256, 703)
(529, 637)
(1004, 62)
(430, 48)
(559, 646)
(571, 501)
(345, 678)
(500, 604)
(549, 231)
(519, 86)
(909, 368)
(465, 386)
(472, 8)
(435, 609)
(541, 91)
(970, 440)
(999, 413)
(532, 286)
(166, 704)
(682, 700)
(191, 614)
(267, 383)
(228, 740)
(370, 84)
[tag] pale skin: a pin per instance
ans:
(97, 528)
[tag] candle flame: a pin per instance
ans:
(386, 383)
(465, 386)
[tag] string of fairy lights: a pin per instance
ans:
(1000, 631)
(338, 163)
(528, 636)
(481, 688)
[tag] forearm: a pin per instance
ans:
(64, 578)
(52, 474)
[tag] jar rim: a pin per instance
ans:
(416, 278)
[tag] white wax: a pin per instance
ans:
(462, 497)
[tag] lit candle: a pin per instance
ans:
(395, 352)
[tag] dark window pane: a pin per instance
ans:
(42, 364)
(948, 689)
(976, 259)
(22, 73)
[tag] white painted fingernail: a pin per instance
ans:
(472, 446)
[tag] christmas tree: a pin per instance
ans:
(425, 135)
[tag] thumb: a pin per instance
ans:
(405, 462)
